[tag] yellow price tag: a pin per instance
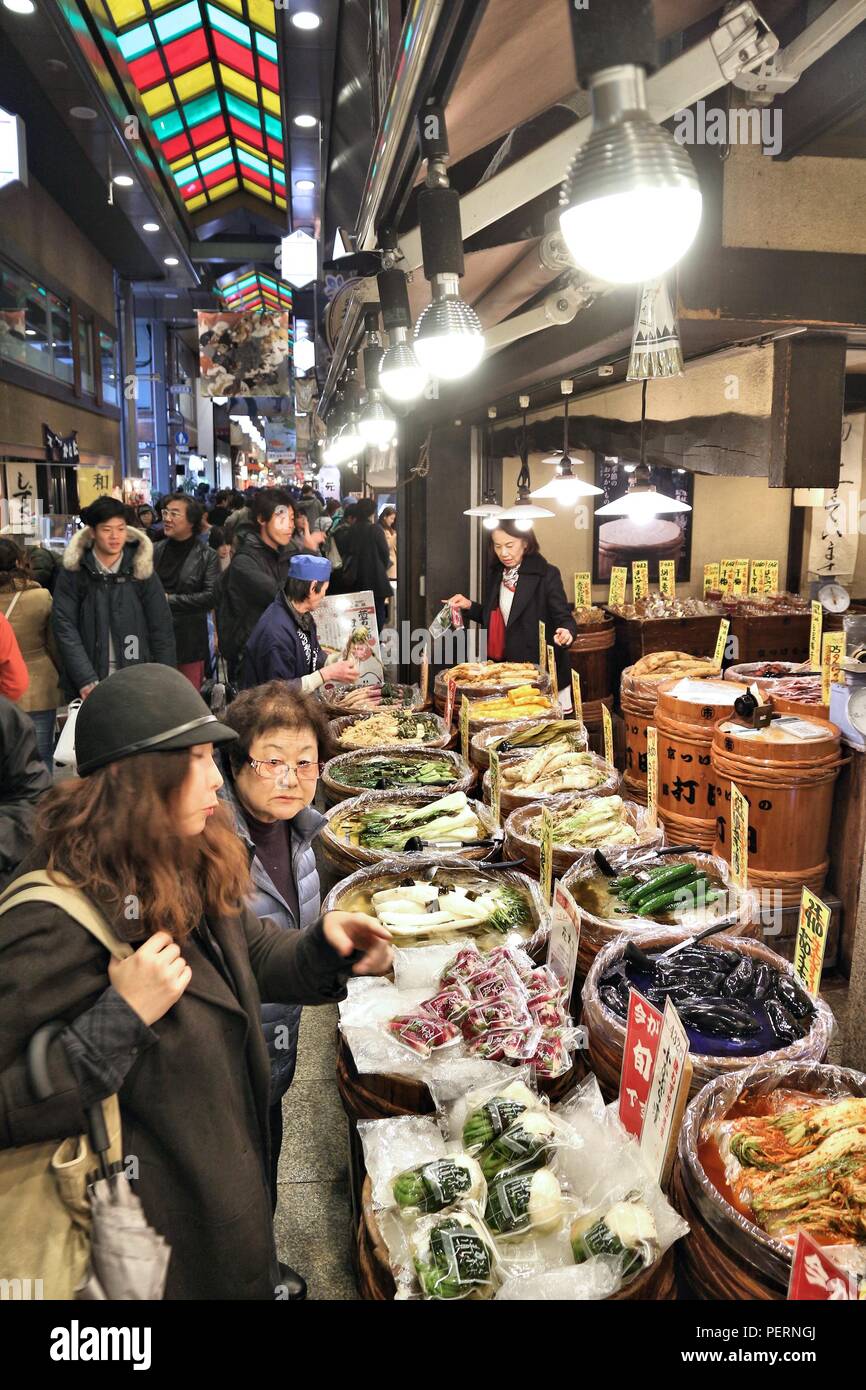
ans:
(739, 837)
(740, 582)
(815, 635)
(464, 727)
(608, 734)
(811, 943)
(722, 641)
(545, 867)
(551, 671)
(424, 679)
(639, 579)
(583, 589)
(495, 786)
(772, 577)
(832, 656)
(616, 592)
(542, 648)
(726, 576)
(652, 773)
(577, 698)
(711, 578)
(758, 578)
(668, 578)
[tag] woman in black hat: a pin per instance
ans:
(284, 644)
(174, 1029)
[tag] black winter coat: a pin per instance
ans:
(88, 604)
(24, 778)
(538, 598)
(248, 586)
(194, 1104)
(366, 558)
(194, 597)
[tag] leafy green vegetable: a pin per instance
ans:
(457, 1260)
(525, 1144)
(432, 1187)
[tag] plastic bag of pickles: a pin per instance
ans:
(505, 1192)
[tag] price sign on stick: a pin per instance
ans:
(758, 580)
(816, 1278)
(815, 636)
(542, 648)
(616, 592)
(551, 671)
(640, 579)
(464, 727)
(668, 1096)
(832, 656)
(642, 1037)
(711, 578)
(577, 698)
(739, 837)
(668, 578)
(608, 734)
(721, 641)
(811, 943)
(740, 583)
(583, 589)
(451, 695)
(564, 937)
(726, 576)
(772, 577)
(495, 786)
(424, 679)
(545, 870)
(652, 773)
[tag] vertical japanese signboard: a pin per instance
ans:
(545, 870)
(642, 1036)
(832, 656)
(608, 734)
(652, 773)
(668, 1093)
(616, 590)
(711, 578)
(583, 589)
(668, 578)
(739, 837)
(576, 696)
(639, 579)
(811, 943)
(815, 636)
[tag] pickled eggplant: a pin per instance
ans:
(762, 983)
(793, 997)
(719, 1018)
(739, 983)
(786, 1029)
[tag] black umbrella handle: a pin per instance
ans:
(42, 1086)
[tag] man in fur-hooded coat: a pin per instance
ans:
(107, 616)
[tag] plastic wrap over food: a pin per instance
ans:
(607, 1029)
(519, 739)
(368, 697)
(455, 828)
(735, 1231)
(340, 774)
(523, 827)
(393, 1146)
(550, 771)
(356, 893)
(480, 680)
(744, 904)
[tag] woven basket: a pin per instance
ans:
(338, 785)
(346, 858)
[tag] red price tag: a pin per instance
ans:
(814, 1276)
(449, 702)
(638, 1061)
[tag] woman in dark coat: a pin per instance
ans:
(522, 591)
(175, 1028)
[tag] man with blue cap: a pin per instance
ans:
(284, 645)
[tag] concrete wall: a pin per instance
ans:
(40, 230)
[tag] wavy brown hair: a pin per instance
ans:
(111, 834)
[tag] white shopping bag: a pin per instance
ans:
(64, 753)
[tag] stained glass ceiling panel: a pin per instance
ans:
(208, 75)
(254, 289)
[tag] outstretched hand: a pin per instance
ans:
(356, 931)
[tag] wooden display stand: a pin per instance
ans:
(636, 637)
(847, 877)
(776, 637)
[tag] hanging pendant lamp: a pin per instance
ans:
(642, 503)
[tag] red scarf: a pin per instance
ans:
(496, 635)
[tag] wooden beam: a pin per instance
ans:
(808, 404)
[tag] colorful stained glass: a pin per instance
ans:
(251, 288)
(208, 75)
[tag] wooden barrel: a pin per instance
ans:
(376, 1281)
(789, 783)
(686, 792)
(591, 657)
(607, 1031)
(725, 1256)
(593, 722)
(337, 774)
(347, 858)
(637, 699)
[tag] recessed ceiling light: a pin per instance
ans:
(171, 260)
(83, 113)
(20, 6)
(306, 19)
(150, 226)
(305, 120)
(304, 185)
(123, 180)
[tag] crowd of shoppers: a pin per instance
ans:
(205, 826)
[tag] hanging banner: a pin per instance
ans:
(22, 498)
(668, 578)
(281, 439)
(835, 533)
(93, 483)
(652, 773)
(711, 578)
(60, 449)
(639, 579)
(245, 354)
(815, 635)
(739, 837)
(832, 656)
(616, 591)
(583, 589)
(811, 943)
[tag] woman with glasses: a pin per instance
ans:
(271, 775)
(284, 644)
(523, 590)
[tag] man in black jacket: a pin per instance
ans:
(368, 556)
(24, 778)
(260, 567)
(190, 572)
(110, 609)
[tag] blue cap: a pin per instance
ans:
(310, 567)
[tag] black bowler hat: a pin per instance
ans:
(142, 709)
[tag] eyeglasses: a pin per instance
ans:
(273, 769)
